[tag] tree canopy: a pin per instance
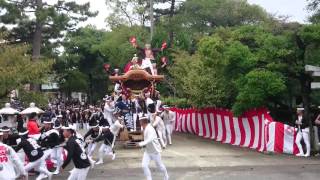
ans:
(17, 69)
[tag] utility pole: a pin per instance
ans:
(151, 20)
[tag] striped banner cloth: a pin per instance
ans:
(255, 129)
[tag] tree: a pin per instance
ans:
(256, 89)
(307, 43)
(116, 46)
(253, 66)
(17, 69)
(203, 89)
(50, 20)
(74, 81)
(80, 67)
(314, 7)
(203, 16)
(127, 12)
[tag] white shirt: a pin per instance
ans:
(115, 128)
(169, 117)
(146, 63)
(158, 104)
(108, 112)
(149, 101)
(157, 123)
(150, 140)
(9, 161)
(117, 88)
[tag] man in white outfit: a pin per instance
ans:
(108, 110)
(158, 125)
(57, 151)
(11, 167)
(137, 112)
(168, 118)
(152, 150)
(149, 103)
(302, 134)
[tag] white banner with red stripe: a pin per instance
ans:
(254, 129)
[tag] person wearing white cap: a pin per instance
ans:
(49, 137)
(302, 134)
(137, 112)
(77, 154)
(117, 88)
(108, 109)
(106, 147)
(149, 55)
(94, 132)
(34, 153)
(168, 118)
(149, 103)
(157, 122)
(57, 151)
(109, 136)
(152, 150)
(11, 167)
(8, 137)
(134, 63)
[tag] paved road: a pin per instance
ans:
(195, 158)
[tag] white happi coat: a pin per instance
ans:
(150, 140)
(9, 161)
(108, 113)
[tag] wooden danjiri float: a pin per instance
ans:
(140, 77)
(134, 83)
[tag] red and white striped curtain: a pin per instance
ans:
(254, 129)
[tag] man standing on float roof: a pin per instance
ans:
(148, 54)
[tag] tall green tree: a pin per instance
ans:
(128, 12)
(204, 15)
(17, 69)
(314, 7)
(37, 21)
(80, 67)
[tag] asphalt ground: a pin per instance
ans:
(192, 157)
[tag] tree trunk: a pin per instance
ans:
(171, 33)
(37, 36)
(36, 42)
(90, 94)
(151, 21)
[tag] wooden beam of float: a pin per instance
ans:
(137, 80)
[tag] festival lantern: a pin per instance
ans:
(8, 110)
(32, 109)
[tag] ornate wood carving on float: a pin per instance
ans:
(135, 81)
